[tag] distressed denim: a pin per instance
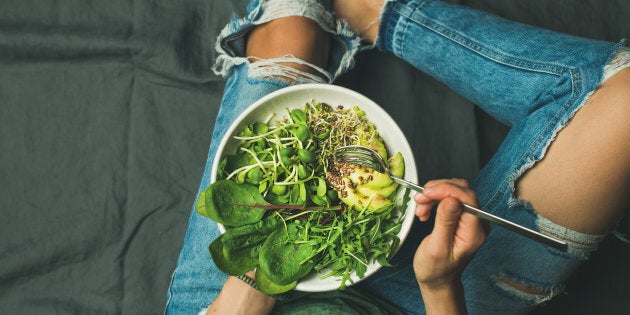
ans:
(534, 81)
(196, 281)
(528, 78)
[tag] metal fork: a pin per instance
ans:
(360, 155)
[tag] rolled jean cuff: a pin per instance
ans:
(231, 42)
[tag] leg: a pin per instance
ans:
(536, 81)
(293, 35)
(258, 62)
(587, 165)
(504, 67)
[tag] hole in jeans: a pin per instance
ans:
(288, 68)
(529, 289)
(525, 291)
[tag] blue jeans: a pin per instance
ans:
(530, 79)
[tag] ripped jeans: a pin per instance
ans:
(530, 79)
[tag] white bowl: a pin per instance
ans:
(296, 97)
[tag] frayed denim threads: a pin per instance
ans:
(231, 42)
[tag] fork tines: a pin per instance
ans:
(356, 149)
(359, 155)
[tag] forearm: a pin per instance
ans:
(445, 300)
(237, 297)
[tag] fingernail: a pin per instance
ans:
(417, 211)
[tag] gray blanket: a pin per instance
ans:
(106, 111)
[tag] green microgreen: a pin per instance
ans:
(281, 214)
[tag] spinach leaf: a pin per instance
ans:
(236, 251)
(281, 168)
(233, 204)
(251, 234)
(229, 267)
(264, 284)
(283, 260)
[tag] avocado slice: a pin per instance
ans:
(354, 199)
(361, 187)
(383, 192)
(369, 137)
(367, 177)
(397, 165)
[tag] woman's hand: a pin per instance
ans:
(443, 255)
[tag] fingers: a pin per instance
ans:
(446, 219)
(423, 207)
(454, 227)
(456, 235)
(458, 189)
(455, 181)
(471, 234)
(437, 190)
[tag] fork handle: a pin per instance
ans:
(534, 235)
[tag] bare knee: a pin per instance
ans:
(363, 16)
(583, 181)
(290, 40)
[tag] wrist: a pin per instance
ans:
(439, 279)
(447, 287)
(247, 285)
(239, 297)
(443, 298)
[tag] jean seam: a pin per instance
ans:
(413, 13)
(416, 15)
(539, 145)
(388, 31)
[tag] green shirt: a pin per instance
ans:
(349, 301)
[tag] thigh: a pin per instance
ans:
(587, 166)
(508, 69)
(563, 172)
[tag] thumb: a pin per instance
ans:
(446, 220)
